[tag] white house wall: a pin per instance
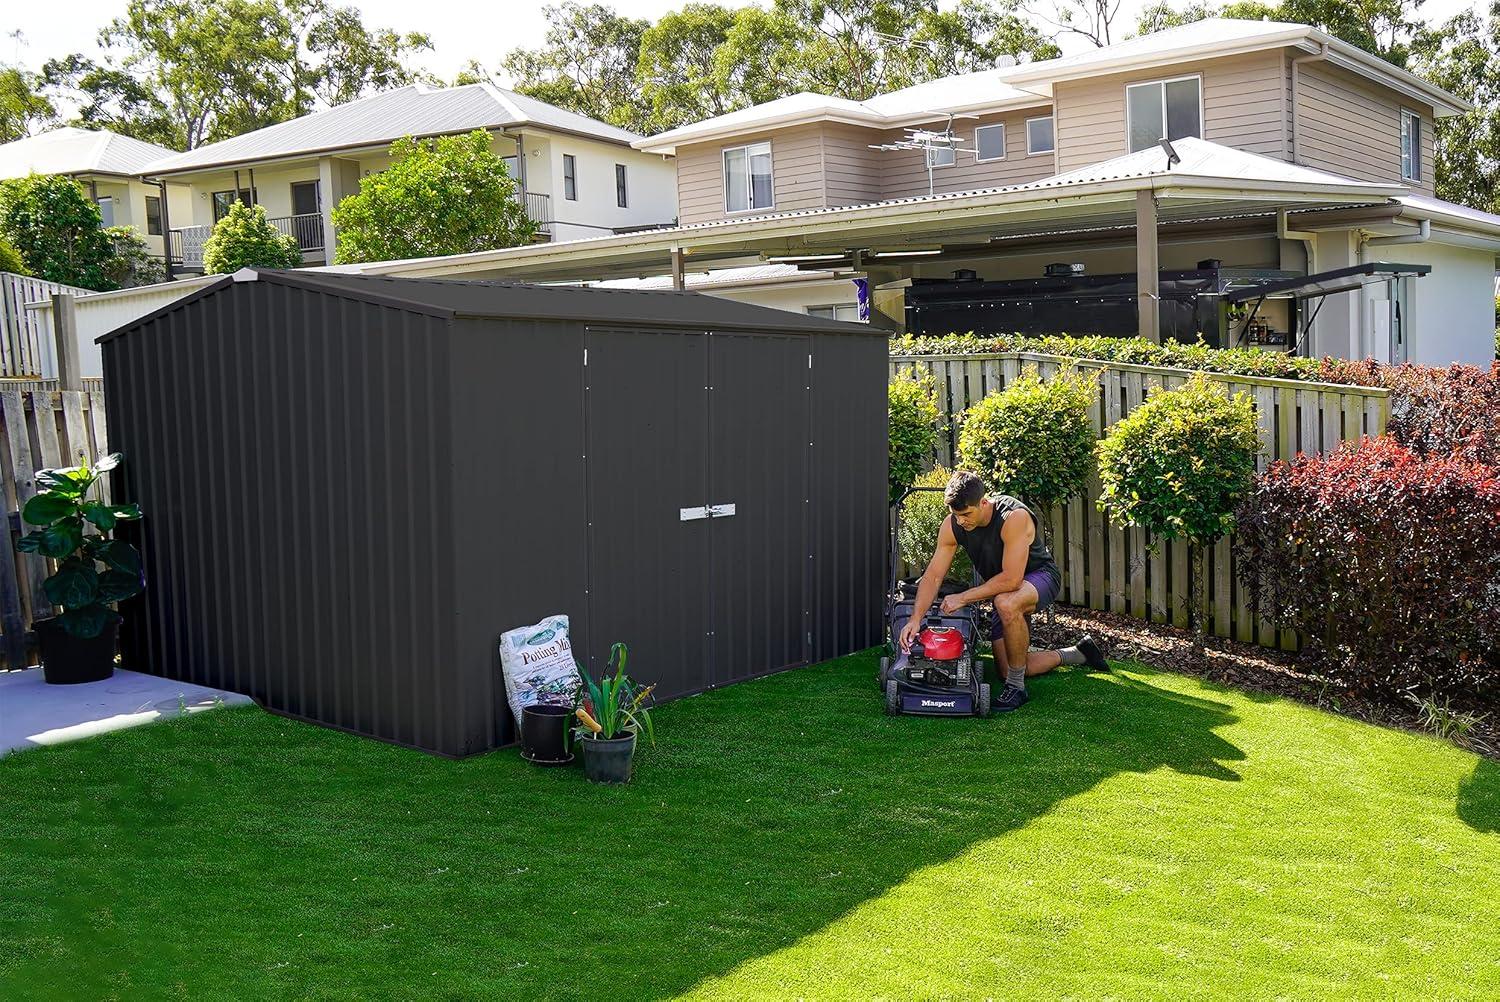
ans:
(1452, 309)
(651, 186)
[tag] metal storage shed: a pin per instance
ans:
(353, 485)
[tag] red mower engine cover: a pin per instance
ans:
(941, 643)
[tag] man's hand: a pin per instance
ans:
(909, 635)
(953, 603)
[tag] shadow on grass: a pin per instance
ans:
(247, 854)
(1479, 797)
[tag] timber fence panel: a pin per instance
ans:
(1111, 567)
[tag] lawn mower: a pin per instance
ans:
(942, 676)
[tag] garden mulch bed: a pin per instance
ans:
(1247, 666)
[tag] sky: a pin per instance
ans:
(461, 30)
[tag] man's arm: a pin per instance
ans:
(932, 579)
(1017, 532)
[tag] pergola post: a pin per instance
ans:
(677, 278)
(1147, 267)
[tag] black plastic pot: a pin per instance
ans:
(544, 731)
(608, 760)
(69, 660)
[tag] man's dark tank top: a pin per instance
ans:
(987, 550)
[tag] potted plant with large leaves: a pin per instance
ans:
(611, 713)
(94, 570)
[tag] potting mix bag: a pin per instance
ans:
(537, 662)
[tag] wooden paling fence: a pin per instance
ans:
(21, 330)
(1111, 568)
(39, 429)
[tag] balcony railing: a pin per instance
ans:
(307, 228)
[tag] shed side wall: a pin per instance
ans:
(289, 449)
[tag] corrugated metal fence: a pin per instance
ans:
(39, 430)
(1110, 568)
(21, 331)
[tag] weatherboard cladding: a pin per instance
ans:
(354, 485)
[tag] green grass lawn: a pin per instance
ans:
(1134, 835)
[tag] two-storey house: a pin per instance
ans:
(578, 177)
(109, 166)
(1279, 92)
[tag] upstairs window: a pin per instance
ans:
(621, 194)
(940, 156)
(1040, 136)
(153, 215)
(989, 143)
(570, 178)
(1163, 109)
(224, 199)
(1411, 146)
(747, 178)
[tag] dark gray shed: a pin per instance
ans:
(354, 485)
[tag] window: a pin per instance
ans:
(106, 210)
(940, 156)
(224, 199)
(1411, 146)
(1040, 137)
(840, 311)
(570, 178)
(153, 215)
(747, 178)
(1163, 109)
(989, 143)
(620, 193)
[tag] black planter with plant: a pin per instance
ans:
(93, 571)
(611, 713)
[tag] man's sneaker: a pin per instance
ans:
(1091, 654)
(1012, 698)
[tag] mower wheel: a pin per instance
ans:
(892, 699)
(885, 667)
(983, 708)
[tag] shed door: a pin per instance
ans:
(758, 456)
(646, 412)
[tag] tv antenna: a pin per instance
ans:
(929, 141)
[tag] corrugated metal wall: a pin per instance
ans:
(348, 503)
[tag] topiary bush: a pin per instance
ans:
(915, 423)
(1034, 439)
(921, 517)
(246, 239)
(1388, 561)
(1178, 466)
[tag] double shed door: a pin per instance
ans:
(698, 503)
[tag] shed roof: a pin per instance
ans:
(450, 298)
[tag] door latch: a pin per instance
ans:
(720, 510)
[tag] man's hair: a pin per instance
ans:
(964, 490)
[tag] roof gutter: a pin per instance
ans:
(1422, 234)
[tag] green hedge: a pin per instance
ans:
(1132, 350)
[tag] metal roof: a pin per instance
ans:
(71, 150)
(383, 118)
(448, 298)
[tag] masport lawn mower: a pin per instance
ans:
(942, 676)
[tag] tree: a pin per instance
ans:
(246, 239)
(349, 61)
(1383, 27)
(679, 77)
(131, 263)
(50, 220)
(586, 64)
(22, 105)
(1463, 57)
(107, 98)
(1177, 467)
(10, 260)
(452, 195)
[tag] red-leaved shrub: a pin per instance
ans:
(1433, 411)
(1387, 561)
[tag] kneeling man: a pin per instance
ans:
(1020, 577)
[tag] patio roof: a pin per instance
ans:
(1210, 181)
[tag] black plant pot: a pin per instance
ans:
(544, 730)
(608, 760)
(69, 660)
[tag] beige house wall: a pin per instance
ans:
(1350, 126)
(904, 172)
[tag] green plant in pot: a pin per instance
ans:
(611, 713)
(93, 570)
